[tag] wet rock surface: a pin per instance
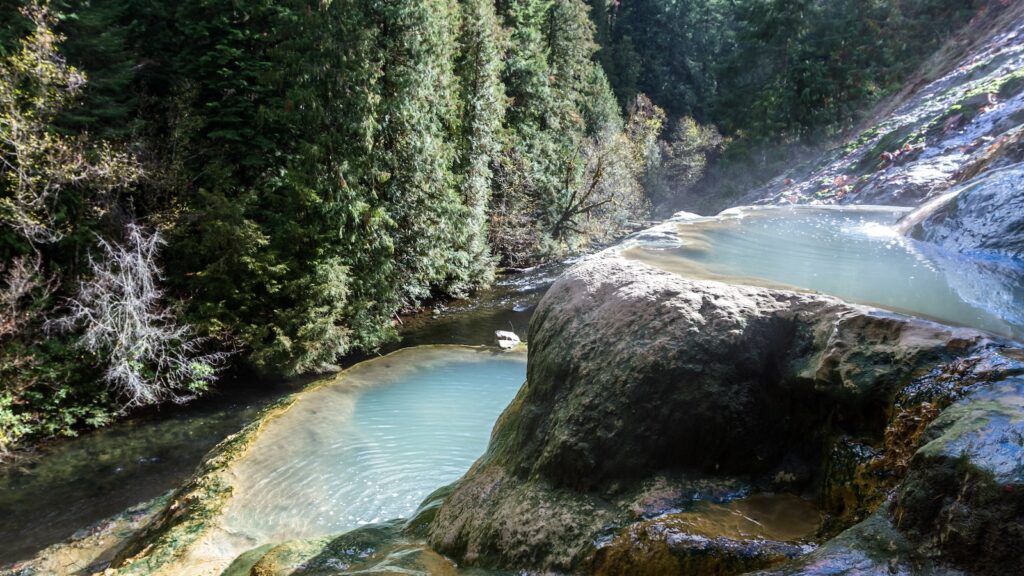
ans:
(738, 536)
(873, 547)
(378, 549)
(983, 217)
(963, 498)
(90, 550)
(637, 374)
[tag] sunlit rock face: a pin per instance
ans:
(651, 394)
(959, 118)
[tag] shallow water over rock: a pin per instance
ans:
(80, 481)
(371, 445)
(782, 517)
(855, 253)
(733, 537)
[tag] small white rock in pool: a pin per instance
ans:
(506, 339)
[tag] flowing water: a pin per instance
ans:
(372, 445)
(780, 517)
(84, 480)
(855, 253)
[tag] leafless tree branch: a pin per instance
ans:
(150, 358)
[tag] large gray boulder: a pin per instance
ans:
(964, 494)
(640, 378)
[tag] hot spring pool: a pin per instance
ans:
(370, 445)
(854, 253)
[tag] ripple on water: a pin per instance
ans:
(370, 446)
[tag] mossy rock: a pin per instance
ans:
(963, 497)
(636, 373)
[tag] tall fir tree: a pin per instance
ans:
(414, 153)
(483, 101)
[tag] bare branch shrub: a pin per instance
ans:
(603, 192)
(513, 233)
(612, 198)
(150, 358)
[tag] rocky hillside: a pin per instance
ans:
(959, 118)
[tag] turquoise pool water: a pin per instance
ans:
(855, 253)
(370, 446)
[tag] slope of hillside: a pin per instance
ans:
(959, 117)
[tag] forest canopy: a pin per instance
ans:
(191, 187)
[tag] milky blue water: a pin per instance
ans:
(855, 253)
(373, 444)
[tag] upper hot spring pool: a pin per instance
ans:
(367, 446)
(854, 253)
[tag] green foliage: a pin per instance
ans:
(253, 244)
(46, 176)
(773, 69)
(55, 189)
(50, 389)
(13, 423)
(669, 51)
(316, 168)
(414, 154)
(684, 155)
(564, 141)
(99, 38)
(330, 195)
(478, 68)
